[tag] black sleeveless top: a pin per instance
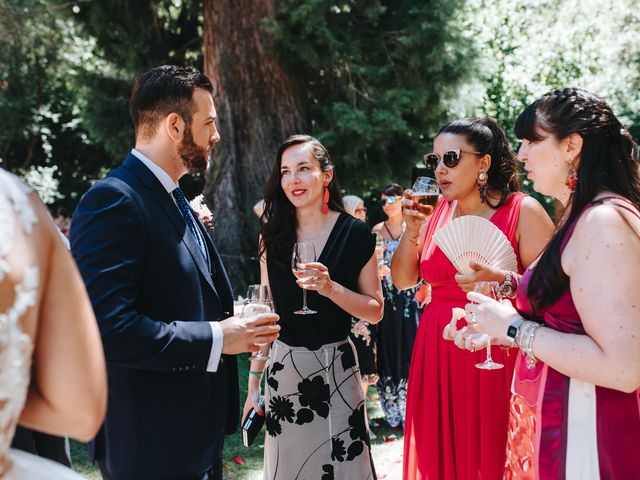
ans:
(348, 249)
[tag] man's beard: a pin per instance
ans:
(194, 157)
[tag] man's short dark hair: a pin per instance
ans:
(161, 91)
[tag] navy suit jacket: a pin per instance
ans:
(153, 295)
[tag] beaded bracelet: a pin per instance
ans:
(509, 287)
(524, 340)
(258, 373)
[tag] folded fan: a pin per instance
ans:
(472, 238)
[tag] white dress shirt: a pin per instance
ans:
(169, 185)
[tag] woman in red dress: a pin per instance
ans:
(575, 411)
(456, 420)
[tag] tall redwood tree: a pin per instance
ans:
(258, 105)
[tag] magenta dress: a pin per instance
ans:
(457, 415)
(564, 428)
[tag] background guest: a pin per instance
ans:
(258, 208)
(363, 333)
(397, 331)
(354, 206)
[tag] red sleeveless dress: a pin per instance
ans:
(457, 415)
(561, 427)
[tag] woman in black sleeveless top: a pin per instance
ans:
(315, 412)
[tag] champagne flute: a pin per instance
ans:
(258, 301)
(303, 252)
(425, 191)
(492, 290)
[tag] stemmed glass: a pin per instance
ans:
(492, 290)
(425, 191)
(258, 301)
(303, 252)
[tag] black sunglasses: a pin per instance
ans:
(450, 158)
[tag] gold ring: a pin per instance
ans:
(472, 349)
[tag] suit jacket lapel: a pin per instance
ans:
(225, 292)
(166, 203)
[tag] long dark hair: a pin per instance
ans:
(486, 136)
(606, 163)
(279, 217)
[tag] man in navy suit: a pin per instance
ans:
(161, 294)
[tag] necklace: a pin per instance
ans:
(456, 212)
(389, 231)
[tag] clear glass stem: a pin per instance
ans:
(261, 355)
(489, 359)
(304, 298)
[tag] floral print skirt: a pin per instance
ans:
(316, 427)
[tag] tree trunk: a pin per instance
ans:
(258, 105)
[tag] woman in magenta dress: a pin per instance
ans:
(575, 411)
(456, 420)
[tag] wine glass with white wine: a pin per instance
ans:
(491, 290)
(258, 301)
(303, 252)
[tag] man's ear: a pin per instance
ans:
(174, 127)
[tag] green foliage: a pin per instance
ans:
(377, 76)
(38, 102)
(128, 38)
(530, 47)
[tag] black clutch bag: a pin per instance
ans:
(252, 425)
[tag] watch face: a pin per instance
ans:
(512, 331)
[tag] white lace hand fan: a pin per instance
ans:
(472, 238)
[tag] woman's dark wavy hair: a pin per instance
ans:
(486, 136)
(607, 162)
(279, 217)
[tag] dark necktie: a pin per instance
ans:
(185, 210)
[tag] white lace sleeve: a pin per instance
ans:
(15, 346)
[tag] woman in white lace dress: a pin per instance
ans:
(52, 374)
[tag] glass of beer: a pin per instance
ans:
(425, 193)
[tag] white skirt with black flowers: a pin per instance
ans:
(316, 422)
